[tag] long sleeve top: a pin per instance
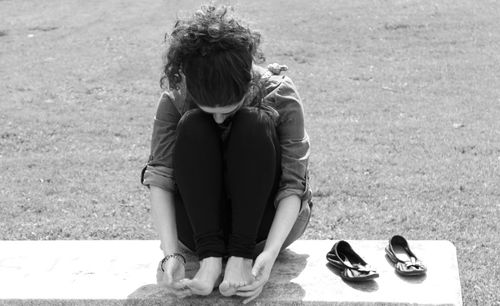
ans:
(281, 100)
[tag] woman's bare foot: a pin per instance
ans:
(238, 273)
(207, 277)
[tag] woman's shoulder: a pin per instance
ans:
(271, 76)
(276, 85)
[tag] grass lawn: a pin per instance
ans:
(402, 102)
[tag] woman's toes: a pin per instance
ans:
(199, 287)
(226, 288)
(223, 287)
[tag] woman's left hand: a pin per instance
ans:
(261, 270)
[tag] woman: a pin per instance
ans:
(228, 166)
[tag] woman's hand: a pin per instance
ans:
(174, 272)
(261, 271)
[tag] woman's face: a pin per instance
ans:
(221, 113)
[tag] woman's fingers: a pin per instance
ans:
(180, 290)
(250, 299)
(178, 285)
(247, 293)
(256, 284)
(183, 293)
(253, 297)
(166, 279)
(256, 268)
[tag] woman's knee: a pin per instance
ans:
(195, 123)
(253, 122)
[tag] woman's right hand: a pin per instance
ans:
(174, 272)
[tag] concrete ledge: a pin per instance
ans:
(122, 272)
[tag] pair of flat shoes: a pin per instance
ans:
(352, 267)
(405, 261)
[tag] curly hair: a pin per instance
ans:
(215, 54)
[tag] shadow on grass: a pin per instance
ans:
(289, 265)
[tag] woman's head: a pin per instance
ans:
(214, 53)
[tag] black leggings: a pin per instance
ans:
(226, 188)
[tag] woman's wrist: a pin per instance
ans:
(283, 221)
(173, 256)
(163, 215)
(169, 247)
(273, 251)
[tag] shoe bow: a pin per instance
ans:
(410, 265)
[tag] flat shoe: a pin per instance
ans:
(352, 267)
(405, 261)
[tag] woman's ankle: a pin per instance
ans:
(240, 259)
(211, 261)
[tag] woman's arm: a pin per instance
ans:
(294, 143)
(284, 219)
(158, 176)
(163, 215)
(158, 173)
